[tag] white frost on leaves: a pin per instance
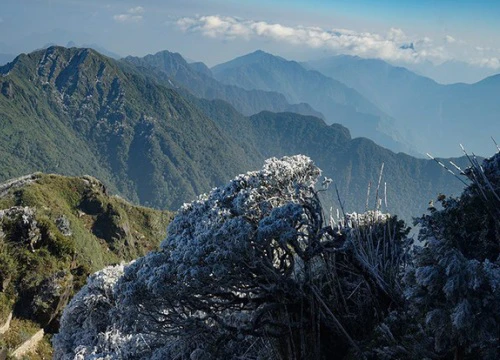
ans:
(86, 323)
(207, 239)
(367, 218)
(217, 225)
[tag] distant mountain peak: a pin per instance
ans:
(257, 56)
(409, 46)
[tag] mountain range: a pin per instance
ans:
(452, 71)
(75, 111)
(439, 117)
(198, 79)
(143, 139)
(338, 102)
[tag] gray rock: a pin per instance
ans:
(25, 229)
(63, 225)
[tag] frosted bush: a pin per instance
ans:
(248, 271)
(453, 284)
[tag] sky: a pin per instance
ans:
(415, 34)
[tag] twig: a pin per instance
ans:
(378, 186)
(368, 195)
(446, 168)
(340, 201)
(337, 322)
(498, 147)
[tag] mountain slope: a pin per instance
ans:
(339, 103)
(199, 81)
(144, 140)
(54, 232)
(439, 116)
(352, 163)
(355, 163)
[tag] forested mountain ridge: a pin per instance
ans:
(75, 111)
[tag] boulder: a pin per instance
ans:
(63, 225)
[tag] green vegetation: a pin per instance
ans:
(54, 232)
(76, 112)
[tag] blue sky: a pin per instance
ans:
(216, 31)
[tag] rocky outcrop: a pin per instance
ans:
(63, 225)
(50, 298)
(22, 224)
(7, 90)
(5, 327)
(28, 346)
(5, 280)
(17, 182)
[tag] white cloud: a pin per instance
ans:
(395, 45)
(133, 15)
(491, 62)
(137, 10)
(450, 39)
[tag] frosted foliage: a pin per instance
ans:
(248, 271)
(456, 274)
(85, 324)
(223, 220)
(366, 218)
(203, 285)
(219, 246)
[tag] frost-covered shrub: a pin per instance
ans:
(249, 271)
(86, 323)
(454, 285)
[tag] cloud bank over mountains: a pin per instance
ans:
(394, 45)
(132, 15)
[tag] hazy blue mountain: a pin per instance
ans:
(439, 117)
(338, 102)
(201, 68)
(101, 50)
(453, 71)
(352, 163)
(204, 85)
